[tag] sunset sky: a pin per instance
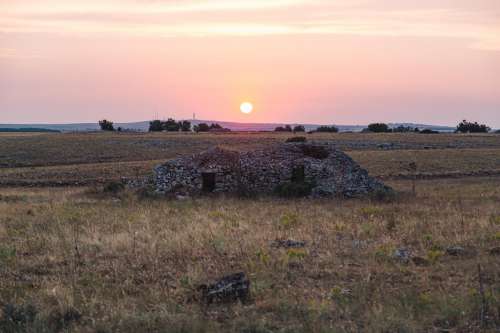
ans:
(305, 61)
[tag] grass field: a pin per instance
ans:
(73, 258)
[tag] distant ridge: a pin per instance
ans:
(234, 126)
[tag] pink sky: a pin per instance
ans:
(314, 61)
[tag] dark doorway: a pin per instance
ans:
(208, 181)
(298, 175)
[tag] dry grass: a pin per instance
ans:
(132, 265)
(75, 259)
(89, 158)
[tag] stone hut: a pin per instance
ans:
(329, 171)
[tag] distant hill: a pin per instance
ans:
(234, 126)
(28, 129)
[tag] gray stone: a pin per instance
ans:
(219, 170)
(230, 288)
(288, 243)
(455, 251)
(402, 254)
(495, 251)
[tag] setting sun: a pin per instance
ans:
(246, 107)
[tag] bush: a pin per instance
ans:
(171, 125)
(286, 128)
(297, 139)
(294, 189)
(379, 128)
(106, 125)
(299, 128)
(327, 129)
(185, 126)
(428, 131)
(202, 127)
(385, 195)
(404, 129)
(113, 187)
(155, 126)
(469, 127)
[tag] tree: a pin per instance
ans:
(155, 126)
(171, 125)
(299, 128)
(106, 125)
(215, 126)
(286, 128)
(404, 129)
(471, 127)
(327, 129)
(379, 128)
(201, 127)
(185, 126)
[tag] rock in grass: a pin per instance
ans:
(402, 254)
(459, 251)
(495, 251)
(419, 261)
(288, 243)
(228, 289)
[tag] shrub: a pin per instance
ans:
(106, 125)
(113, 187)
(327, 129)
(286, 128)
(404, 129)
(469, 127)
(155, 126)
(379, 128)
(384, 195)
(297, 139)
(428, 131)
(294, 189)
(299, 128)
(202, 127)
(185, 125)
(171, 125)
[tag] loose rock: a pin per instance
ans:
(459, 251)
(402, 254)
(495, 251)
(288, 243)
(230, 288)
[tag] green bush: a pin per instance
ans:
(294, 189)
(327, 129)
(471, 127)
(299, 128)
(113, 187)
(379, 128)
(286, 128)
(106, 125)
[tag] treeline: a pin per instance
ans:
(28, 130)
(184, 126)
(300, 128)
(463, 127)
(169, 125)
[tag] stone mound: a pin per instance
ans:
(329, 171)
